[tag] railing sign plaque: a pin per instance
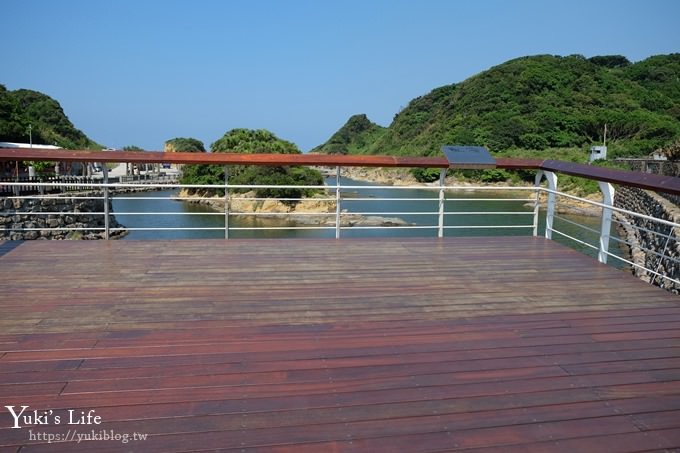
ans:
(468, 157)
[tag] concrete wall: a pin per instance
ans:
(657, 167)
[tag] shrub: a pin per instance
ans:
(426, 174)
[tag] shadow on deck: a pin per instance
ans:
(414, 345)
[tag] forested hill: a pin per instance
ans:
(49, 124)
(536, 103)
(356, 136)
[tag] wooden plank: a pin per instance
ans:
(658, 420)
(10, 449)
(20, 390)
(325, 393)
(662, 440)
(432, 441)
(332, 354)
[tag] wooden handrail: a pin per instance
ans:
(63, 155)
(657, 183)
(653, 182)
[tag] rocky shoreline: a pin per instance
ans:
(310, 211)
(403, 177)
(382, 176)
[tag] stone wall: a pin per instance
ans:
(651, 204)
(657, 167)
(21, 214)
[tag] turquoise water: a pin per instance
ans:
(359, 200)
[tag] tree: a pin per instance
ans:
(185, 145)
(610, 61)
(251, 141)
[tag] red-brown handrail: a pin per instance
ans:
(653, 182)
(657, 183)
(64, 155)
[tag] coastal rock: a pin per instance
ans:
(309, 211)
(570, 206)
(382, 176)
(373, 221)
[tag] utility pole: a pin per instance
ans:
(30, 141)
(31, 169)
(605, 135)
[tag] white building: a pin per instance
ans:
(597, 153)
(12, 168)
(27, 145)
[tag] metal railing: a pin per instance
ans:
(635, 230)
(438, 213)
(27, 185)
(338, 198)
(438, 209)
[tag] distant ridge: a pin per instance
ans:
(534, 103)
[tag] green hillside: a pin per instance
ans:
(538, 103)
(49, 123)
(355, 136)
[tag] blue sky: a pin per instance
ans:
(139, 72)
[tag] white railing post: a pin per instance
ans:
(107, 228)
(226, 202)
(608, 192)
(442, 200)
(537, 200)
(337, 202)
(550, 214)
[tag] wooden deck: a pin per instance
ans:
(394, 345)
